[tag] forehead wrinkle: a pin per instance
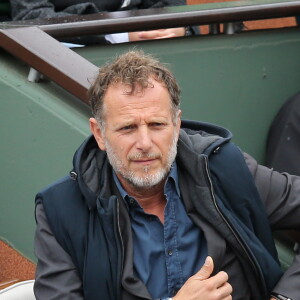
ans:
(137, 105)
(141, 118)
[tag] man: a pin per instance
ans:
(156, 207)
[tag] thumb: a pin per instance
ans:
(206, 270)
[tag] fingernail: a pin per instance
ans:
(206, 261)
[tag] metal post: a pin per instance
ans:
(34, 75)
(214, 28)
(229, 28)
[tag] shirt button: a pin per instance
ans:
(170, 252)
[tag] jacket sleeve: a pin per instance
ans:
(56, 276)
(42, 9)
(174, 2)
(155, 3)
(280, 193)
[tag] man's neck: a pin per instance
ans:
(152, 200)
(154, 204)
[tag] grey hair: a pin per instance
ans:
(133, 69)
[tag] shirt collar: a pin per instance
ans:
(173, 175)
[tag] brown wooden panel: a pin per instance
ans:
(50, 57)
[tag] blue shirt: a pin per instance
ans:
(165, 255)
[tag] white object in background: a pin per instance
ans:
(19, 291)
(117, 38)
(34, 75)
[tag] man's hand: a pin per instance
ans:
(203, 286)
(156, 34)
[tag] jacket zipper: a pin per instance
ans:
(241, 243)
(120, 266)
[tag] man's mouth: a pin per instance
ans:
(144, 161)
(144, 157)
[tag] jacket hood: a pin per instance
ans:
(201, 137)
(89, 162)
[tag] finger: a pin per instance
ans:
(219, 279)
(155, 34)
(206, 269)
(148, 35)
(171, 35)
(225, 290)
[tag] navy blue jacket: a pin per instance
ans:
(92, 225)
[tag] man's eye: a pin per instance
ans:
(129, 127)
(156, 124)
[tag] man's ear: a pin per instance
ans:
(178, 121)
(98, 134)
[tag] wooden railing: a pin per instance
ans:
(50, 57)
(126, 21)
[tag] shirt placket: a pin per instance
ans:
(173, 266)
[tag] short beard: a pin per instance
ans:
(148, 181)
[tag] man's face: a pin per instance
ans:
(140, 137)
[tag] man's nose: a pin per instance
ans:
(144, 140)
